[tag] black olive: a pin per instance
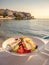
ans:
(36, 47)
(16, 39)
(20, 44)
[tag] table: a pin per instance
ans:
(8, 59)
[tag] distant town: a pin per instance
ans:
(10, 14)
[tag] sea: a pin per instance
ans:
(34, 27)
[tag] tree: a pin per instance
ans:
(17, 16)
(5, 14)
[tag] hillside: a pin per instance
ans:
(6, 13)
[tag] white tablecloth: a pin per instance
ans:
(7, 59)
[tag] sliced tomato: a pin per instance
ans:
(20, 50)
(23, 44)
(27, 51)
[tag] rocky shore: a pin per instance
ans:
(9, 14)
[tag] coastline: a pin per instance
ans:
(13, 19)
(16, 15)
(9, 18)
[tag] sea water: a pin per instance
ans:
(34, 27)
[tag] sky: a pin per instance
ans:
(37, 8)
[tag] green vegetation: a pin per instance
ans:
(5, 14)
(15, 15)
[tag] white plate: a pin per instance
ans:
(40, 42)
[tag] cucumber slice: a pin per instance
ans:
(16, 48)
